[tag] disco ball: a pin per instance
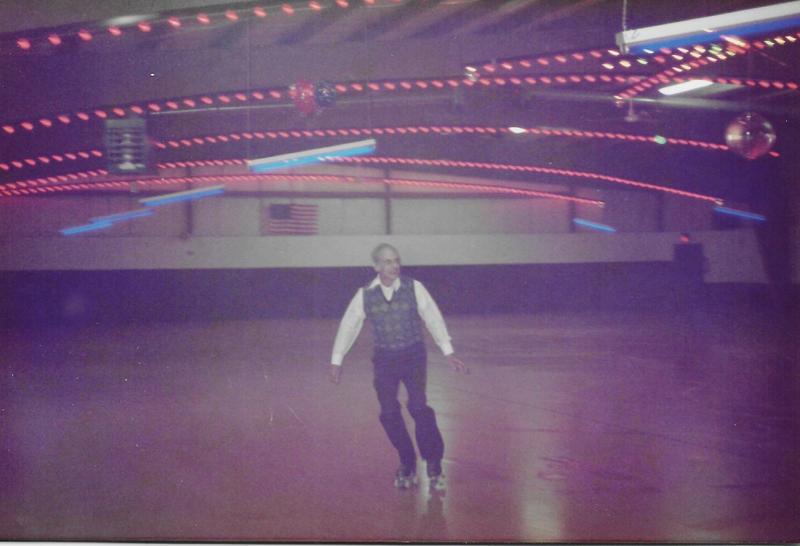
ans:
(750, 135)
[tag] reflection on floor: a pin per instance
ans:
(571, 427)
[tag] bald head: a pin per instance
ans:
(387, 263)
(378, 251)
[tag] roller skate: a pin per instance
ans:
(405, 477)
(436, 481)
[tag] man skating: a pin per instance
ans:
(397, 306)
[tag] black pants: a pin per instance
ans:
(408, 366)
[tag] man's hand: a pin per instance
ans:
(457, 365)
(334, 373)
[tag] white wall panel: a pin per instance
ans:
(682, 214)
(527, 216)
(592, 213)
(226, 217)
(439, 216)
(166, 221)
(457, 216)
(732, 255)
(359, 216)
(46, 216)
(630, 211)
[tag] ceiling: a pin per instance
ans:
(429, 79)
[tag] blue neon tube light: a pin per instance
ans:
(594, 225)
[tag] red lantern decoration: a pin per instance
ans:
(302, 94)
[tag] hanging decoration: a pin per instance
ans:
(303, 96)
(325, 94)
(750, 135)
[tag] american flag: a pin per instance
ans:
(286, 219)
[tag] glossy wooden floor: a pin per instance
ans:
(571, 427)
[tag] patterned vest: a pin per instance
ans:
(395, 324)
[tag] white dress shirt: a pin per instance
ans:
(353, 319)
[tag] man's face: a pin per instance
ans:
(388, 266)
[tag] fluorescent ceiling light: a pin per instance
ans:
(708, 29)
(125, 20)
(741, 214)
(593, 225)
(120, 216)
(684, 87)
(188, 195)
(315, 155)
(87, 227)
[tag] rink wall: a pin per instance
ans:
(47, 297)
(186, 280)
(214, 259)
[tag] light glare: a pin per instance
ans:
(684, 87)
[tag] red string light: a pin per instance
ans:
(691, 59)
(403, 161)
(51, 180)
(527, 62)
(538, 131)
(45, 159)
(667, 74)
(436, 84)
(51, 184)
(88, 34)
(521, 168)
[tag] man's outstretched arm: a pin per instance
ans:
(434, 322)
(349, 328)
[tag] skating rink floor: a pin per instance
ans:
(572, 427)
